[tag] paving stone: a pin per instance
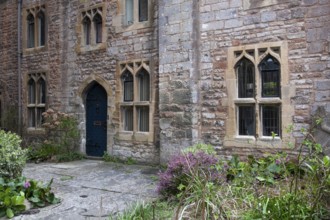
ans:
(95, 189)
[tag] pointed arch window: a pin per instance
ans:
(30, 31)
(87, 30)
(35, 29)
(127, 79)
(32, 90)
(258, 103)
(144, 85)
(270, 77)
(36, 99)
(98, 27)
(136, 96)
(245, 76)
(41, 29)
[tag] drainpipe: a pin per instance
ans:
(19, 60)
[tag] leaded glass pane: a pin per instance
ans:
(98, 28)
(143, 10)
(129, 12)
(143, 118)
(41, 91)
(32, 91)
(127, 79)
(128, 118)
(271, 120)
(246, 120)
(144, 85)
(245, 75)
(40, 118)
(87, 30)
(270, 77)
(30, 31)
(41, 29)
(32, 117)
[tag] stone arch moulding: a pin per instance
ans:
(81, 95)
(85, 85)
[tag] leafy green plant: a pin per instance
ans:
(12, 156)
(70, 156)
(143, 211)
(109, 158)
(14, 192)
(62, 129)
(40, 194)
(130, 161)
(62, 135)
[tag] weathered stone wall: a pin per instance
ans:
(179, 89)
(8, 64)
(71, 68)
(208, 28)
(193, 39)
(304, 25)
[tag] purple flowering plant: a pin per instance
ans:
(182, 167)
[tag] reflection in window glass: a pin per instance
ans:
(41, 29)
(128, 118)
(144, 85)
(129, 12)
(98, 28)
(128, 86)
(87, 30)
(270, 120)
(246, 120)
(30, 31)
(245, 75)
(143, 118)
(143, 10)
(270, 77)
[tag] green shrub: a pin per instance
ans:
(12, 156)
(145, 211)
(14, 192)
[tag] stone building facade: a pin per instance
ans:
(147, 78)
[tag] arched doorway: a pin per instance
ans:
(96, 121)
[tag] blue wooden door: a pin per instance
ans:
(96, 121)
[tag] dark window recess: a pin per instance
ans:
(32, 119)
(87, 30)
(41, 29)
(30, 31)
(143, 10)
(41, 91)
(270, 77)
(127, 79)
(271, 120)
(32, 89)
(143, 120)
(98, 28)
(245, 75)
(128, 118)
(246, 120)
(144, 85)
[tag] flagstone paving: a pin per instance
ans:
(91, 189)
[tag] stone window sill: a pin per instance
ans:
(36, 131)
(87, 48)
(135, 136)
